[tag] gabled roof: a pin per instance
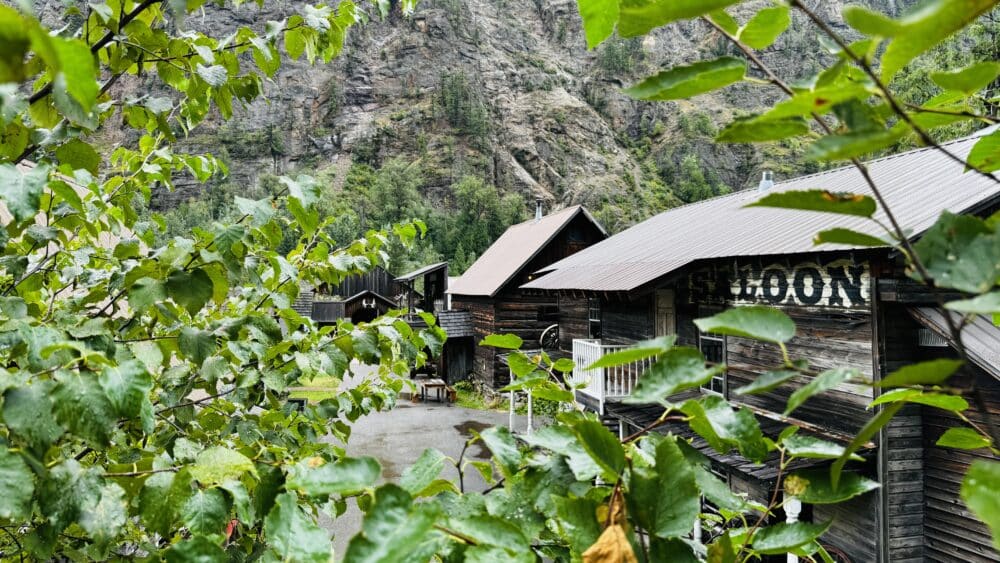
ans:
(515, 248)
(917, 184)
(980, 337)
(422, 271)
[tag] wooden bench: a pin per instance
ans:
(437, 385)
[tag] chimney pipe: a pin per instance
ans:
(538, 209)
(766, 182)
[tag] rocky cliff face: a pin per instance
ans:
(504, 89)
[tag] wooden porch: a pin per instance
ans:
(603, 385)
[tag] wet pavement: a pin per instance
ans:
(397, 438)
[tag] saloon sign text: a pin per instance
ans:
(841, 283)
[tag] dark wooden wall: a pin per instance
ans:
(627, 321)
(574, 320)
(378, 280)
(952, 532)
(457, 359)
(854, 526)
(483, 314)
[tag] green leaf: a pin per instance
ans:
(577, 521)
(689, 80)
(756, 321)
(77, 78)
(811, 447)
(963, 438)
(757, 129)
(981, 493)
(664, 500)
(924, 28)
(815, 486)
(79, 155)
(933, 372)
(765, 27)
(848, 237)
(766, 382)
(161, 499)
(783, 537)
(27, 412)
(986, 304)
(820, 200)
(293, 534)
(970, 79)
(639, 17)
(947, 402)
(14, 37)
(819, 101)
(127, 386)
(985, 154)
(217, 464)
(17, 483)
(854, 144)
(191, 290)
(599, 19)
(81, 407)
(104, 520)
(146, 293)
(717, 491)
(196, 345)
(345, 476)
(639, 351)
(961, 252)
(504, 448)
(505, 341)
(423, 472)
(206, 512)
(491, 531)
(214, 75)
(676, 370)
(724, 427)
(869, 22)
(722, 19)
(260, 211)
(22, 193)
(823, 382)
(392, 529)
(602, 446)
(197, 549)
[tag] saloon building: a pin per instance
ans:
(853, 306)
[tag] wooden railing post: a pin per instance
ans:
(793, 508)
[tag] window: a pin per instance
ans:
(594, 317)
(713, 347)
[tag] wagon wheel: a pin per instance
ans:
(549, 339)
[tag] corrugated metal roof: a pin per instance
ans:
(980, 336)
(512, 252)
(421, 271)
(918, 185)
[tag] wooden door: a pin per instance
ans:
(666, 312)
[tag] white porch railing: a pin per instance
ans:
(603, 384)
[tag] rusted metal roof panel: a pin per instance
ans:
(512, 252)
(980, 336)
(918, 185)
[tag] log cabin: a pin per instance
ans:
(853, 306)
(490, 289)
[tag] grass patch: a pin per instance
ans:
(468, 397)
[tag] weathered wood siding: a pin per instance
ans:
(457, 359)
(627, 321)
(854, 526)
(574, 320)
(953, 533)
(483, 315)
(825, 338)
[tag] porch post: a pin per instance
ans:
(529, 412)
(793, 508)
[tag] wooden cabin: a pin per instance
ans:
(853, 307)
(490, 288)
